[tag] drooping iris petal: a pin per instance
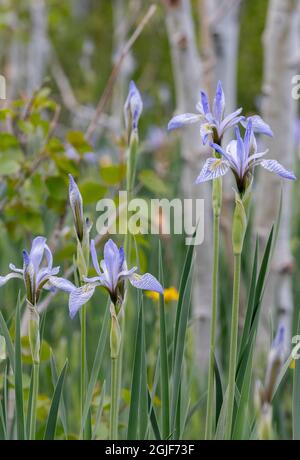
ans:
(259, 125)
(219, 103)
(61, 283)
(213, 168)
(277, 168)
(14, 269)
(37, 252)
(183, 120)
(79, 297)
(147, 282)
(4, 279)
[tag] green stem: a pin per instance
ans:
(83, 361)
(35, 390)
(213, 328)
(233, 343)
(114, 402)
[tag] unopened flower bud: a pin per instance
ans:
(77, 207)
(132, 109)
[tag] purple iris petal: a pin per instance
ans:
(37, 251)
(219, 103)
(259, 125)
(213, 168)
(183, 120)
(95, 258)
(147, 282)
(112, 262)
(61, 283)
(79, 297)
(277, 168)
(232, 119)
(205, 103)
(133, 107)
(4, 279)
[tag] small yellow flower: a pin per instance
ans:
(170, 294)
(153, 295)
(292, 364)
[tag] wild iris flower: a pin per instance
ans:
(37, 275)
(111, 274)
(211, 122)
(241, 157)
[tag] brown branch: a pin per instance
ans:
(115, 71)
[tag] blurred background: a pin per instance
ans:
(67, 67)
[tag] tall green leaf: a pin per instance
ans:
(18, 377)
(136, 381)
(53, 413)
(99, 355)
(164, 365)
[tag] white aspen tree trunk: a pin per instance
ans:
(281, 41)
(188, 82)
(38, 48)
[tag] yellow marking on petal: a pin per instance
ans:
(216, 164)
(292, 364)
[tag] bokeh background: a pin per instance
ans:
(67, 66)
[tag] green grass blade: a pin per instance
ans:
(182, 290)
(62, 408)
(250, 305)
(9, 345)
(153, 419)
(29, 405)
(164, 365)
(182, 315)
(143, 406)
(242, 416)
(219, 390)
(53, 413)
(136, 382)
(99, 355)
(3, 434)
(19, 378)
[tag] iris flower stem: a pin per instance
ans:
(114, 402)
(83, 360)
(233, 343)
(35, 391)
(213, 328)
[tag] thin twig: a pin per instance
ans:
(115, 71)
